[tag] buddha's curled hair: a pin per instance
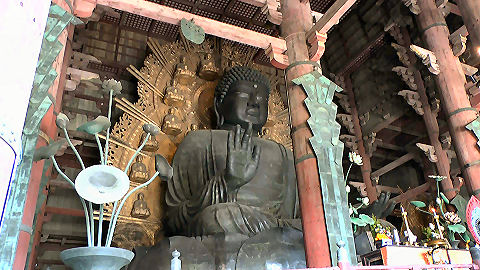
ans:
(239, 73)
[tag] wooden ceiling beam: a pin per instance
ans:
(390, 166)
(331, 17)
(412, 193)
(212, 27)
(387, 122)
(405, 131)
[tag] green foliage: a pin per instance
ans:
(457, 228)
(358, 221)
(428, 233)
(368, 220)
(418, 204)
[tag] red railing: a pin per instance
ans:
(343, 264)
(347, 266)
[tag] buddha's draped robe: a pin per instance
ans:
(198, 202)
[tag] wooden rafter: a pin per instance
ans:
(212, 27)
(400, 161)
(332, 16)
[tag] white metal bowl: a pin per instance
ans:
(102, 184)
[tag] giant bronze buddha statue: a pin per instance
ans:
(229, 180)
(233, 187)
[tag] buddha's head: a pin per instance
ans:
(241, 97)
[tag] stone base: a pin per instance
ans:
(278, 248)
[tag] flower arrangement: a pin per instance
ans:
(450, 220)
(380, 232)
(431, 232)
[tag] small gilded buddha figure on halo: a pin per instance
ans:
(139, 172)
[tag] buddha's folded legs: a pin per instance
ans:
(231, 218)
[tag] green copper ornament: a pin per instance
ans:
(192, 32)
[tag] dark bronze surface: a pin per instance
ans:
(231, 190)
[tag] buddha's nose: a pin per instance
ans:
(252, 99)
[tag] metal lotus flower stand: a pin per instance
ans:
(101, 184)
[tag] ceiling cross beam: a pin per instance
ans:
(210, 26)
(390, 166)
(331, 17)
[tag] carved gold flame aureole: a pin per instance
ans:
(176, 89)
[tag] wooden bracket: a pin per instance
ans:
(317, 45)
(402, 54)
(469, 70)
(370, 144)
(441, 3)
(84, 8)
(429, 151)
(271, 9)
(361, 188)
(394, 30)
(347, 121)
(446, 141)
(277, 58)
(428, 58)
(458, 43)
(81, 60)
(435, 106)
(344, 102)
(413, 6)
(407, 76)
(364, 118)
(350, 142)
(413, 99)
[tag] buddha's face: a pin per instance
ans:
(246, 102)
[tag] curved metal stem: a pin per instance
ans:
(114, 209)
(99, 148)
(92, 223)
(73, 148)
(87, 222)
(108, 130)
(100, 221)
(136, 152)
(348, 171)
(115, 216)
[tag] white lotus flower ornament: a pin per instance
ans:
(365, 200)
(452, 217)
(355, 158)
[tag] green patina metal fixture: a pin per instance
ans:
(474, 126)
(40, 102)
(329, 151)
(192, 32)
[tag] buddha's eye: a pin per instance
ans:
(241, 94)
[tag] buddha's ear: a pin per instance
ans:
(216, 105)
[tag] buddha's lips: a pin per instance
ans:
(253, 111)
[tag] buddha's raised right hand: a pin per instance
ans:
(242, 161)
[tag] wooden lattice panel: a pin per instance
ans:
(321, 5)
(207, 14)
(260, 29)
(243, 9)
(177, 5)
(216, 4)
(165, 30)
(235, 22)
(137, 22)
